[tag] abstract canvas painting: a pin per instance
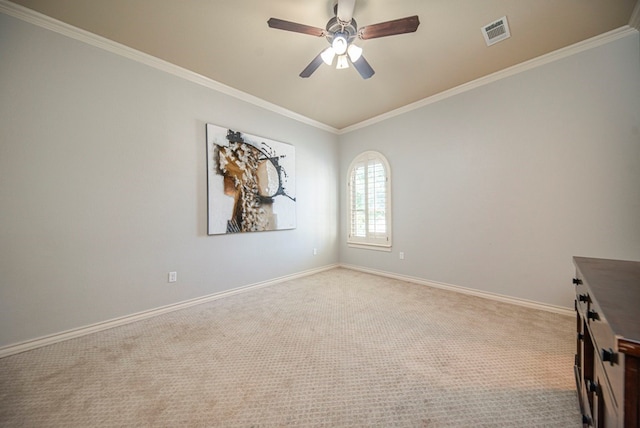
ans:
(250, 183)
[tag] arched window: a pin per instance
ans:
(369, 202)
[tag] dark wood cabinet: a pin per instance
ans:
(607, 365)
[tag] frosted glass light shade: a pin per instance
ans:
(355, 52)
(343, 62)
(328, 55)
(339, 44)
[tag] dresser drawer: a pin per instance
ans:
(606, 350)
(582, 295)
(606, 410)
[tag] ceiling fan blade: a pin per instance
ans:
(281, 24)
(389, 28)
(345, 10)
(313, 66)
(363, 67)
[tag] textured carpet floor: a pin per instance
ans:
(335, 349)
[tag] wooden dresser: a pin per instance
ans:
(608, 341)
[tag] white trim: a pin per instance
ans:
(498, 75)
(366, 246)
(561, 310)
(370, 243)
(52, 24)
(28, 345)
(60, 27)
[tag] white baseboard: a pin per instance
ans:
(470, 291)
(94, 328)
(28, 345)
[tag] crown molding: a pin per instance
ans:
(516, 69)
(87, 37)
(52, 24)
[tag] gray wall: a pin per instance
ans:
(103, 183)
(103, 188)
(497, 188)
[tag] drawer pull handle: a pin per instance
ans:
(583, 297)
(592, 386)
(580, 336)
(609, 355)
(586, 420)
(577, 281)
(593, 315)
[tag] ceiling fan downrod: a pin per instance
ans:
(341, 31)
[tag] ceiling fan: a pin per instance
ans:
(341, 31)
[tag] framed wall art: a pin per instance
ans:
(250, 183)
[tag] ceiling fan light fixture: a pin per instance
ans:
(355, 52)
(342, 63)
(340, 43)
(328, 55)
(341, 31)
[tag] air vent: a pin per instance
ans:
(496, 31)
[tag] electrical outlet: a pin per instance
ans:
(173, 276)
(315, 251)
(401, 255)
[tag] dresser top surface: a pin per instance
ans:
(615, 285)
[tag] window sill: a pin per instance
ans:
(374, 247)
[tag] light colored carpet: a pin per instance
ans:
(336, 349)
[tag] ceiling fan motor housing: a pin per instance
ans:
(334, 26)
(340, 33)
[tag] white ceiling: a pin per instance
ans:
(230, 42)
